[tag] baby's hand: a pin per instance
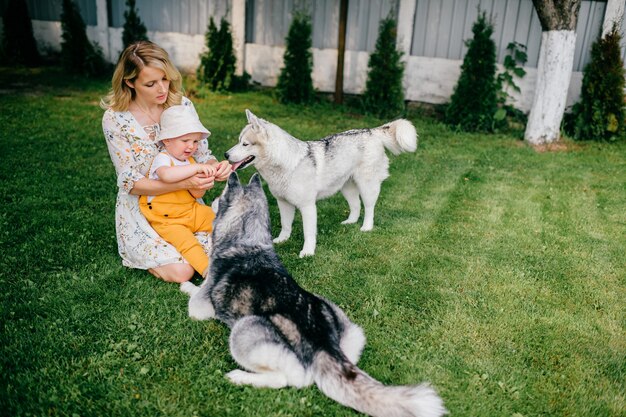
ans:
(223, 170)
(206, 169)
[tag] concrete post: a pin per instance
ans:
(614, 12)
(238, 23)
(102, 26)
(406, 16)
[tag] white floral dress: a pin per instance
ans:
(132, 148)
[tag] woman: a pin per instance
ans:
(144, 83)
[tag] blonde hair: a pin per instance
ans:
(136, 57)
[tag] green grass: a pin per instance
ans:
(494, 271)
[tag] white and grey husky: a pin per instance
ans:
(281, 334)
(299, 173)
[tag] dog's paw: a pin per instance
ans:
(238, 377)
(281, 239)
(188, 288)
(349, 221)
(367, 227)
(306, 252)
(201, 309)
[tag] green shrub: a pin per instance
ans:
(217, 64)
(599, 115)
(134, 29)
(507, 114)
(78, 54)
(474, 101)
(295, 84)
(18, 43)
(384, 95)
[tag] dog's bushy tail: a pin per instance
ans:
(345, 383)
(399, 136)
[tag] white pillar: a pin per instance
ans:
(238, 23)
(614, 12)
(102, 25)
(554, 71)
(406, 15)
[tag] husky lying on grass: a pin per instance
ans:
(300, 173)
(281, 334)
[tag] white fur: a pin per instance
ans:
(188, 288)
(353, 342)
(262, 380)
(270, 366)
(200, 307)
(300, 173)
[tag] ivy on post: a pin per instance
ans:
(505, 81)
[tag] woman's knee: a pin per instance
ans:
(174, 272)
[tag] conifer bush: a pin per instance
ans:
(78, 54)
(474, 101)
(384, 94)
(18, 43)
(134, 29)
(599, 115)
(217, 64)
(295, 84)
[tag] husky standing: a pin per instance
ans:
(300, 173)
(281, 334)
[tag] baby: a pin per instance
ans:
(177, 215)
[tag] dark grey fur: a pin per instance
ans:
(282, 334)
(248, 279)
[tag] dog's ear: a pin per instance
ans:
(255, 187)
(233, 181)
(250, 116)
(255, 181)
(231, 191)
(254, 121)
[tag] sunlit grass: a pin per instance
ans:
(494, 271)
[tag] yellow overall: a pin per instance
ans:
(176, 216)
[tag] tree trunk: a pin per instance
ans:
(556, 59)
(341, 49)
(557, 14)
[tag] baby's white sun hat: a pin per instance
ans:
(180, 120)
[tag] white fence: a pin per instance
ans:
(431, 33)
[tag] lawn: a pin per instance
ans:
(494, 271)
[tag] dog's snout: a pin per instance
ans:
(226, 155)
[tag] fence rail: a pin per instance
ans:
(431, 33)
(440, 27)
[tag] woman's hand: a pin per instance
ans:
(223, 170)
